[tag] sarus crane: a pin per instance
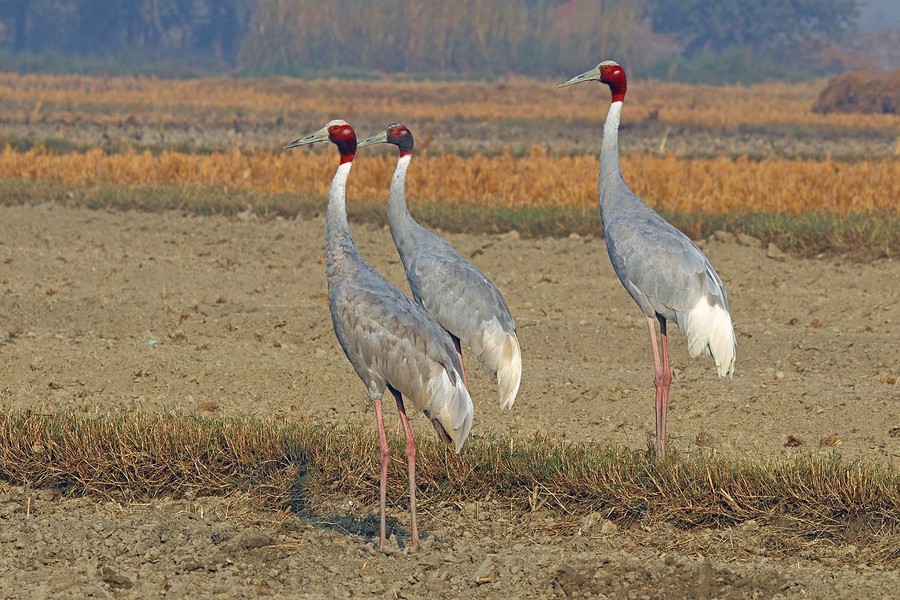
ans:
(454, 291)
(391, 341)
(667, 275)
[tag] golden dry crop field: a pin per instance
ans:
(709, 185)
(520, 133)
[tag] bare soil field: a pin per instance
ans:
(108, 311)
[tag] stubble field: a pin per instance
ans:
(103, 312)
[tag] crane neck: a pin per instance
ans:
(397, 208)
(611, 180)
(401, 223)
(339, 243)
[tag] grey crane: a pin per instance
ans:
(391, 341)
(666, 274)
(459, 296)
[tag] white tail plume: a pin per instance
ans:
(708, 329)
(502, 355)
(450, 409)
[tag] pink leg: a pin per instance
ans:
(666, 379)
(657, 381)
(411, 460)
(383, 456)
(459, 353)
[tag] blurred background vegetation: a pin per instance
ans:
(709, 41)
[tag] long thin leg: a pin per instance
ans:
(657, 382)
(462, 364)
(411, 461)
(666, 379)
(383, 457)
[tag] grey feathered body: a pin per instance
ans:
(390, 340)
(661, 268)
(455, 292)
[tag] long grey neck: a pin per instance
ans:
(400, 221)
(612, 185)
(339, 246)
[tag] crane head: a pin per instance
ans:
(608, 72)
(397, 134)
(338, 132)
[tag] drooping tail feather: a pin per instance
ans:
(502, 354)
(450, 409)
(709, 330)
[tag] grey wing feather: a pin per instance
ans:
(459, 296)
(392, 341)
(389, 340)
(661, 268)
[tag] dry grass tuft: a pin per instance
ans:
(138, 456)
(135, 456)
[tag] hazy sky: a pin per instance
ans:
(879, 14)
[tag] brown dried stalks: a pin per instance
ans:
(718, 185)
(135, 456)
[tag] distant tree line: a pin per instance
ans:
(439, 36)
(752, 40)
(767, 26)
(154, 28)
(417, 36)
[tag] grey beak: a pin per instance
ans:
(378, 138)
(319, 136)
(592, 75)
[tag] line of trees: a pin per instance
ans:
(300, 36)
(766, 26)
(533, 36)
(105, 27)
(421, 36)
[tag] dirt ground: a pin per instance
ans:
(107, 311)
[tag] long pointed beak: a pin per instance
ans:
(319, 136)
(378, 138)
(592, 75)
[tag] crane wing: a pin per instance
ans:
(460, 297)
(663, 270)
(381, 328)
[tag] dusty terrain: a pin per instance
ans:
(106, 311)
